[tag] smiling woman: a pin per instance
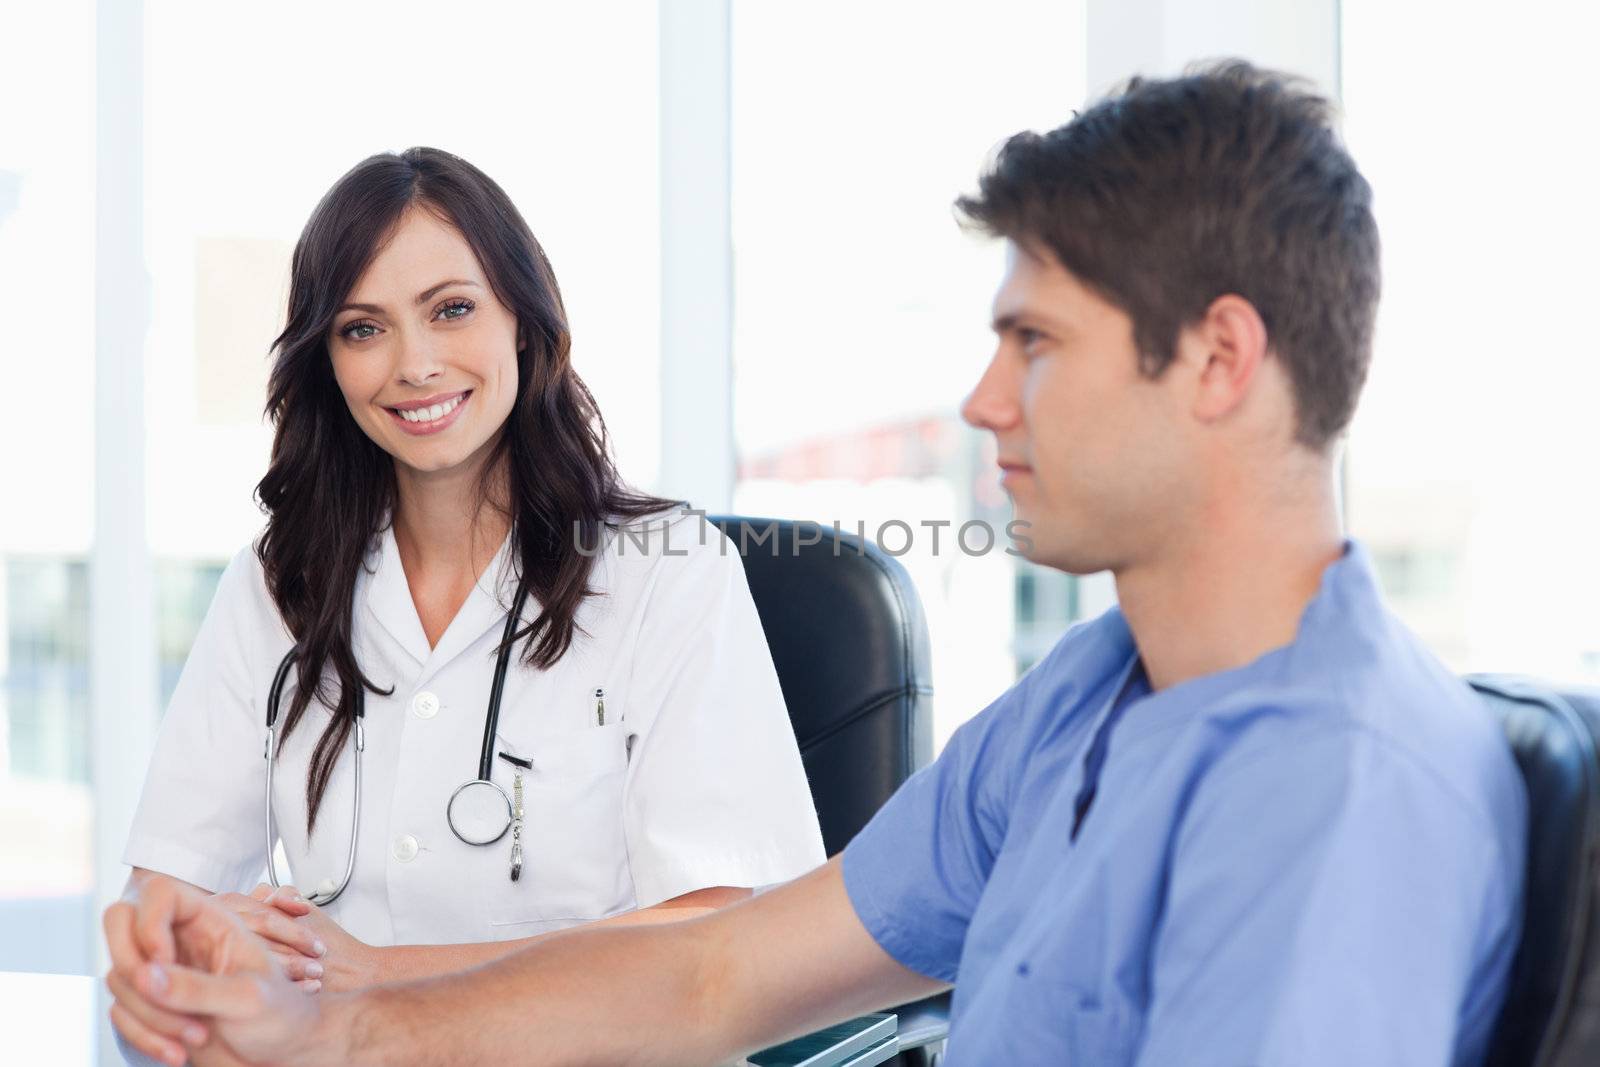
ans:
(392, 358)
(440, 478)
(371, 329)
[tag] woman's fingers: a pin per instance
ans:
(286, 898)
(297, 966)
(276, 926)
(267, 921)
(145, 1039)
(290, 902)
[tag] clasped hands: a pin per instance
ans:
(226, 979)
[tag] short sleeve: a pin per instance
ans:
(915, 873)
(1331, 902)
(716, 793)
(201, 815)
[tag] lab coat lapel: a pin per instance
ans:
(484, 610)
(389, 600)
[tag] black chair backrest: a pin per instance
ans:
(850, 643)
(1551, 1016)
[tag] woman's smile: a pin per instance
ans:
(429, 415)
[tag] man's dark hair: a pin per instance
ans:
(1170, 193)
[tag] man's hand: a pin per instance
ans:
(203, 976)
(144, 1025)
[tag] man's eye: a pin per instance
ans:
(1028, 337)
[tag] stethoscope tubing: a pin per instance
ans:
(317, 897)
(485, 761)
(502, 662)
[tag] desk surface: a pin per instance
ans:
(48, 1019)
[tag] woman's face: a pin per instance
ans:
(424, 353)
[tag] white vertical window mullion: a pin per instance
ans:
(697, 454)
(122, 648)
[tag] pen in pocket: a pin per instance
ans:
(599, 707)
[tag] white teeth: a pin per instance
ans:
(431, 414)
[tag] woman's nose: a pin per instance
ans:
(418, 362)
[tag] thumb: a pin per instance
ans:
(191, 992)
(288, 900)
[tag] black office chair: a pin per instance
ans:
(1551, 1016)
(850, 643)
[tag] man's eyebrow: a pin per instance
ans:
(422, 297)
(1013, 320)
(1005, 323)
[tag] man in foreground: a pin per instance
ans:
(1242, 818)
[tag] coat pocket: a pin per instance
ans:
(575, 856)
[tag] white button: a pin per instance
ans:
(405, 848)
(426, 705)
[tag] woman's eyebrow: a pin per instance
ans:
(422, 297)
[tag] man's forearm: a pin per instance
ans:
(624, 995)
(405, 963)
(693, 993)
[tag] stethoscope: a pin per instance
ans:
(479, 811)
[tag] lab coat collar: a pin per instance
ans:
(389, 601)
(388, 598)
(483, 611)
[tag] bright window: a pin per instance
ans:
(862, 312)
(1471, 463)
(47, 261)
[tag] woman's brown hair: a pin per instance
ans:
(329, 488)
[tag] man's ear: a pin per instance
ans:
(1228, 345)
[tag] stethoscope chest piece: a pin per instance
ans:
(479, 812)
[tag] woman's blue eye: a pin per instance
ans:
(451, 311)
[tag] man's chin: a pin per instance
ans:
(1048, 546)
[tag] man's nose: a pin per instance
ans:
(993, 403)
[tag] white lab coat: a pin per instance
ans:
(693, 781)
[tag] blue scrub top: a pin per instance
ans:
(1312, 859)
